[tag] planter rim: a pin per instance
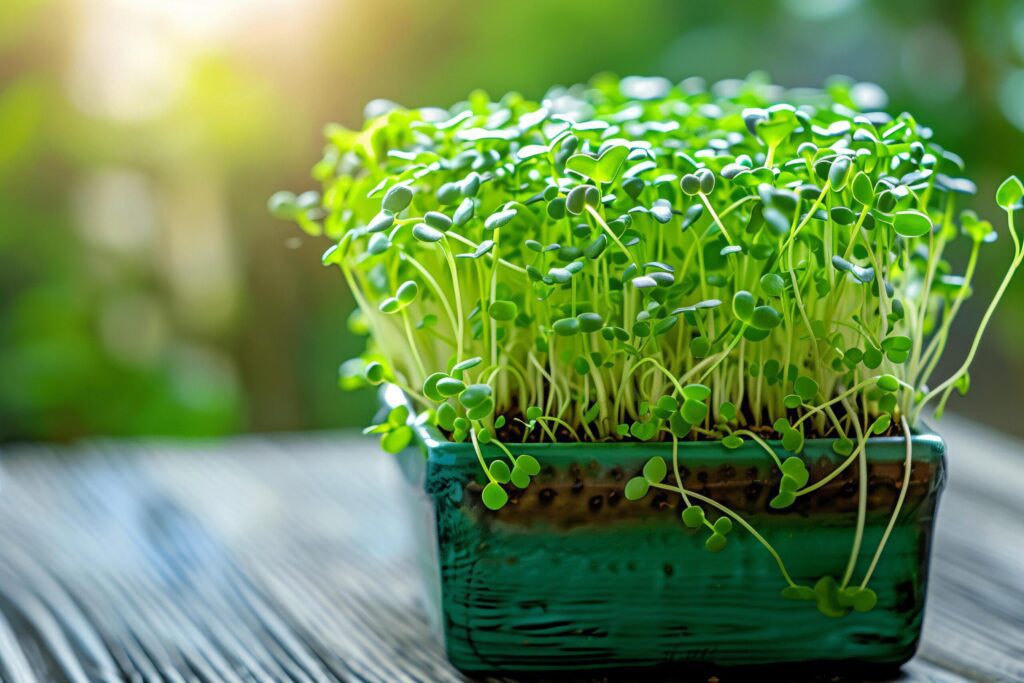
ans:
(928, 446)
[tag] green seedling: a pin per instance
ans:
(742, 264)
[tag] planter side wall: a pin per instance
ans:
(571, 576)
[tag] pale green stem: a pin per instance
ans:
(1015, 264)
(807, 218)
(412, 344)
(611, 233)
(862, 500)
(899, 504)
(739, 520)
(480, 455)
(715, 217)
(472, 245)
(762, 443)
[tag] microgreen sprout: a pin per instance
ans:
(639, 260)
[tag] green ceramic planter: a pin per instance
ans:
(572, 577)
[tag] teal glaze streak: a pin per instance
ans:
(520, 594)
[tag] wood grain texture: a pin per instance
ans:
(290, 558)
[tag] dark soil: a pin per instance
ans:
(514, 428)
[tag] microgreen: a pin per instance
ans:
(698, 264)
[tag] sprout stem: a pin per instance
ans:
(899, 504)
(1014, 266)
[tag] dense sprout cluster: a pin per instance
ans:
(574, 264)
(640, 260)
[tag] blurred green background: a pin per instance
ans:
(143, 287)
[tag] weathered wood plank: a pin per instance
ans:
(974, 624)
(288, 558)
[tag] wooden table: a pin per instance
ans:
(287, 558)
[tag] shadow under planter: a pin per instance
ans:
(572, 577)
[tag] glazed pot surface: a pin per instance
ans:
(571, 576)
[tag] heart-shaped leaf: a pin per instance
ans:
(863, 191)
(493, 496)
(519, 477)
(842, 446)
(1009, 193)
(694, 411)
(679, 426)
(397, 439)
(503, 311)
(743, 305)
(636, 488)
(693, 516)
(655, 470)
(644, 431)
(481, 411)
(696, 392)
(474, 395)
(777, 127)
(499, 219)
(765, 318)
(798, 593)
(601, 169)
(794, 467)
(793, 440)
(782, 500)
(888, 383)
(806, 388)
(425, 233)
(449, 386)
(396, 199)
(911, 223)
(732, 441)
(528, 464)
(826, 594)
(860, 599)
(716, 542)
(881, 424)
(500, 471)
